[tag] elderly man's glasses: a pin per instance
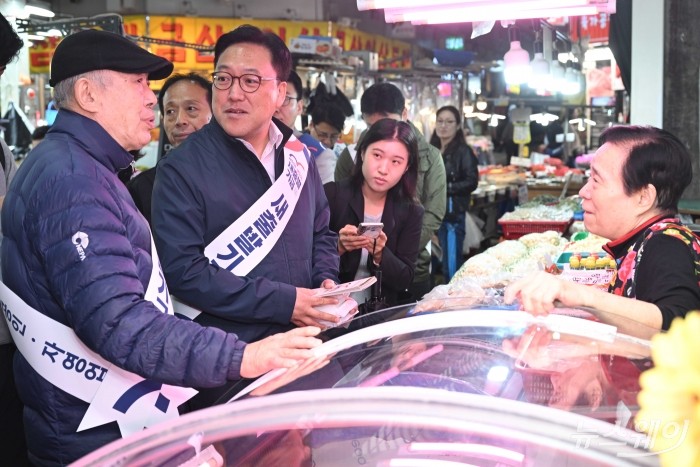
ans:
(248, 82)
(289, 99)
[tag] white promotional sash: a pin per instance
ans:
(246, 242)
(59, 356)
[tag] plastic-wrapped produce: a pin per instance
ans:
(550, 237)
(508, 252)
(539, 213)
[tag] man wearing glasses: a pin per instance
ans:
(289, 111)
(327, 122)
(239, 213)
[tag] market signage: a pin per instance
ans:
(595, 27)
(205, 31)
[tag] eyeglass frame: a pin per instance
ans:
(288, 99)
(324, 135)
(240, 85)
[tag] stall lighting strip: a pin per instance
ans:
(484, 13)
(363, 5)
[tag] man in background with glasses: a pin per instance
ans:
(239, 213)
(289, 111)
(327, 122)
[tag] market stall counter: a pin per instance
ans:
(443, 382)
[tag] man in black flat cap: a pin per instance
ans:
(83, 292)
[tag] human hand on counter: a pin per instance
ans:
(292, 374)
(283, 350)
(349, 240)
(304, 313)
(538, 292)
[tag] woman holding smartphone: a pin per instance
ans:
(382, 189)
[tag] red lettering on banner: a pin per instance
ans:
(595, 27)
(173, 27)
(205, 38)
(204, 57)
(341, 37)
(174, 54)
(283, 34)
(131, 29)
(40, 59)
(317, 32)
(395, 54)
(219, 31)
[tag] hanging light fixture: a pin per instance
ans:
(582, 123)
(557, 78)
(516, 61)
(481, 103)
(467, 108)
(572, 82)
(539, 77)
(495, 118)
(543, 118)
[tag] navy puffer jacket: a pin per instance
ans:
(68, 184)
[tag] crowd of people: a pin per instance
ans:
(204, 269)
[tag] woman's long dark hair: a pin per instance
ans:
(388, 129)
(458, 140)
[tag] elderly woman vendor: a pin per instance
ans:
(637, 177)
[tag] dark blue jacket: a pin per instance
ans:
(69, 184)
(201, 188)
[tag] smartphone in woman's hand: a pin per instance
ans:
(370, 229)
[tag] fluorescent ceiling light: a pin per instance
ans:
(602, 5)
(38, 11)
(490, 13)
(377, 4)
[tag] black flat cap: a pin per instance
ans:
(92, 50)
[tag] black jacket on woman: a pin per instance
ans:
(462, 176)
(402, 225)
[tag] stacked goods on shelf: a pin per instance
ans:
(584, 261)
(536, 216)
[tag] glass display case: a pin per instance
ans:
(404, 387)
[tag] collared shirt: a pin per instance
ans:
(267, 158)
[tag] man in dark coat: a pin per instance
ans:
(82, 283)
(226, 176)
